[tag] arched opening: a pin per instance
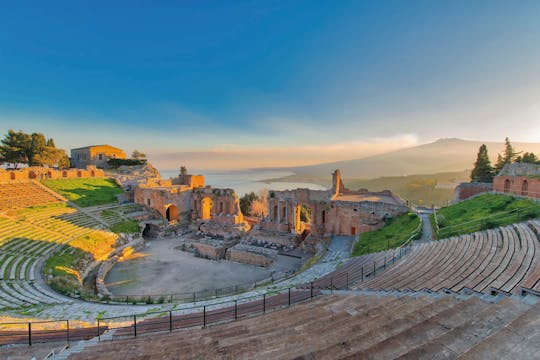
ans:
(353, 230)
(324, 217)
(221, 207)
(304, 216)
(32, 175)
(150, 231)
(49, 175)
(171, 213)
(206, 208)
(284, 214)
(79, 174)
(92, 173)
(506, 185)
(13, 176)
(525, 188)
(274, 213)
(64, 174)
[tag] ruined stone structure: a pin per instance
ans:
(253, 255)
(42, 173)
(213, 211)
(519, 179)
(337, 211)
(96, 155)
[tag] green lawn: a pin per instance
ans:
(126, 227)
(86, 192)
(484, 212)
(396, 231)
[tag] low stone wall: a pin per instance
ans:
(253, 255)
(108, 264)
(210, 251)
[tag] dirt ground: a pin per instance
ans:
(163, 269)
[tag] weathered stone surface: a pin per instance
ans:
(253, 255)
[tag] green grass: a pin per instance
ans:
(86, 192)
(126, 227)
(396, 231)
(484, 212)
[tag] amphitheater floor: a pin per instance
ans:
(163, 269)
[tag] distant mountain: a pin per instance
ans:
(443, 155)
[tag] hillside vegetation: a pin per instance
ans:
(394, 234)
(483, 212)
(86, 191)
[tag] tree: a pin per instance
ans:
(246, 201)
(259, 206)
(137, 155)
(482, 171)
(36, 149)
(509, 152)
(499, 164)
(183, 170)
(50, 143)
(529, 158)
(13, 147)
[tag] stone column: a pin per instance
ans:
(293, 228)
(278, 213)
(286, 212)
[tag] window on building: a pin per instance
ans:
(148, 202)
(100, 156)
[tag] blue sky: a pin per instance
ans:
(199, 79)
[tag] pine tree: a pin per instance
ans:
(509, 152)
(483, 171)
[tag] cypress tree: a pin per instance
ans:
(482, 171)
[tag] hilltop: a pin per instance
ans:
(443, 155)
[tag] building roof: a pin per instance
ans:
(520, 169)
(97, 146)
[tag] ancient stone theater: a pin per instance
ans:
(338, 211)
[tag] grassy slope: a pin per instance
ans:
(394, 234)
(485, 211)
(86, 192)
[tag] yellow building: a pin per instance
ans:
(96, 155)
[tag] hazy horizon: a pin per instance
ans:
(215, 85)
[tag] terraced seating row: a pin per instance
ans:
(502, 259)
(20, 194)
(368, 325)
(25, 241)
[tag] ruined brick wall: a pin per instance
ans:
(178, 198)
(518, 185)
(221, 205)
(466, 190)
(43, 173)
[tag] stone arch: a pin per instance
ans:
(171, 212)
(49, 174)
(304, 214)
(283, 214)
(206, 208)
(92, 173)
(79, 173)
(32, 175)
(525, 188)
(13, 176)
(506, 185)
(275, 213)
(64, 174)
(221, 207)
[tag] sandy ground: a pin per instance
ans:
(163, 269)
